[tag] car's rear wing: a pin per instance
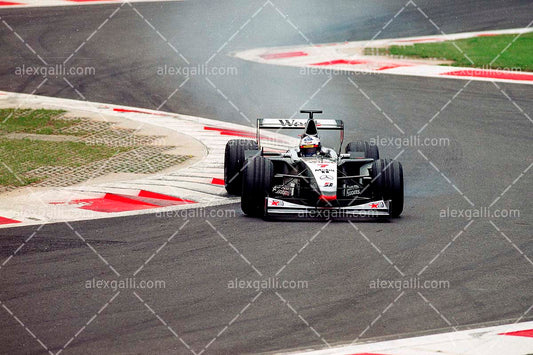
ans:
(296, 123)
(288, 123)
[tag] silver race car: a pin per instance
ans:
(311, 179)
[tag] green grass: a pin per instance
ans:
(23, 155)
(33, 121)
(481, 50)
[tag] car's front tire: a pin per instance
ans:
(257, 179)
(370, 150)
(234, 158)
(387, 184)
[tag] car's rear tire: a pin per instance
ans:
(234, 161)
(257, 179)
(387, 184)
(370, 150)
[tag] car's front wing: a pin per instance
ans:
(280, 207)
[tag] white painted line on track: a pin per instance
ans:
(510, 339)
(9, 4)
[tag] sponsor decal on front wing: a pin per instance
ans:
(374, 205)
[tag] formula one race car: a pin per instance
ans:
(311, 180)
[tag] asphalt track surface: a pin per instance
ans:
(43, 285)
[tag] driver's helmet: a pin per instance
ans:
(309, 146)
